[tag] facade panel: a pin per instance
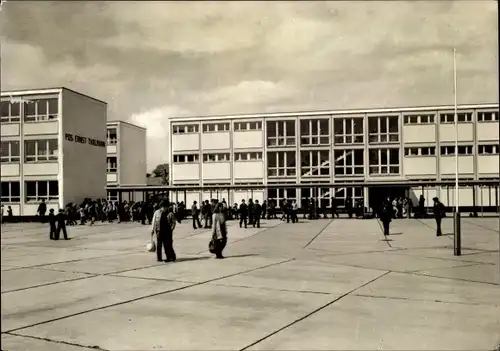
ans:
(219, 170)
(10, 170)
(41, 169)
(9, 129)
(41, 128)
(488, 165)
(488, 131)
(132, 162)
(447, 132)
(186, 172)
(248, 139)
(465, 165)
(420, 166)
(185, 142)
(425, 133)
(215, 141)
(249, 170)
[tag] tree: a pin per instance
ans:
(161, 171)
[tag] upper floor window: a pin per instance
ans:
(40, 150)
(193, 158)
(42, 190)
(215, 127)
(112, 164)
(112, 136)
(461, 117)
(348, 130)
(219, 157)
(419, 119)
(248, 156)
(488, 149)
(41, 110)
(242, 126)
(10, 151)
(10, 112)
(384, 161)
(280, 133)
(11, 192)
(462, 150)
(185, 129)
(281, 164)
(314, 132)
(315, 163)
(487, 116)
(420, 151)
(349, 162)
(384, 129)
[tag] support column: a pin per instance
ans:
(474, 211)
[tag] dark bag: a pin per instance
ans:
(212, 245)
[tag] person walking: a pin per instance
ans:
(52, 225)
(163, 226)
(61, 225)
(42, 209)
(257, 211)
(386, 215)
(195, 213)
(243, 213)
(219, 231)
(439, 211)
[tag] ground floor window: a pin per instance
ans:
(341, 194)
(277, 195)
(11, 192)
(39, 190)
(112, 195)
(323, 194)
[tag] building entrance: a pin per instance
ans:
(377, 195)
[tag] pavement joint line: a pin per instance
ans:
(443, 258)
(51, 283)
(450, 278)
(472, 264)
(332, 253)
(154, 279)
(145, 297)
(313, 312)
(482, 226)
(319, 233)
(56, 341)
(425, 300)
(272, 289)
(428, 226)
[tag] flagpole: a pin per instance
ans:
(457, 234)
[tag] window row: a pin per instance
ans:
(186, 129)
(348, 130)
(219, 157)
(419, 119)
(193, 158)
(35, 191)
(242, 126)
(383, 129)
(247, 156)
(487, 116)
(349, 162)
(461, 117)
(325, 195)
(34, 151)
(420, 151)
(111, 136)
(215, 127)
(35, 110)
(112, 164)
(462, 150)
(488, 149)
(315, 163)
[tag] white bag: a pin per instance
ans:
(151, 246)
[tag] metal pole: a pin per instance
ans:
(457, 233)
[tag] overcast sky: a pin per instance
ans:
(154, 60)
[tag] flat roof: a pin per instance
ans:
(117, 121)
(335, 112)
(55, 90)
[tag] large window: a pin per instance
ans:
(219, 157)
(314, 132)
(42, 190)
(384, 161)
(112, 164)
(462, 150)
(281, 164)
(41, 110)
(280, 133)
(11, 192)
(10, 151)
(248, 156)
(185, 129)
(348, 130)
(420, 151)
(349, 162)
(384, 129)
(215, 127)
(419, 119)
(315, 163)
(450, 117)
(277, 195)
(112, 136)
(193, 158)
(487, 116)
(323, 195)
(244, 126)
(40, 150)
(10, 112)
(112, 195)
(341, 194)
(488, 149)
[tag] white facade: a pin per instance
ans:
(126, 156)
(337, 147)
(53, 148)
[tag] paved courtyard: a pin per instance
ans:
(323, 285)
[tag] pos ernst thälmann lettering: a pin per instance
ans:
(83, 140)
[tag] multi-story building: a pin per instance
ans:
(126, 157)
(338, 147)
(53, 148)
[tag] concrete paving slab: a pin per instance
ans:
(203, 269)
(304, 276)
(418, 287)
(363, 323)
(468, 255)
(31, 277)
(475, 273)
(198, 318)
(22, 343)
(27, 307)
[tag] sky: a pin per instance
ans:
(151, 61)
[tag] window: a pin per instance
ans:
(420, 151)
(243, 126)
(348, 131)
(277, 195)
(281, 164)
(41, 110)
(280, 133)
(462, 150)
(40, 150)
(10, 112)
(193, 158)
(315, 163)
(341, 194)
(215, 127)
(487, 116)
(248, 156)
(11, 192)
(384, 161)
(112, 195)
(185, 129)
(314, 132)
(450, 117)
(112, 164)
(10, 151)
(383, 129)
(488, 149)
(42, 190)
(112, 136)
(418, 119)
(221, 157)
(349, 162)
